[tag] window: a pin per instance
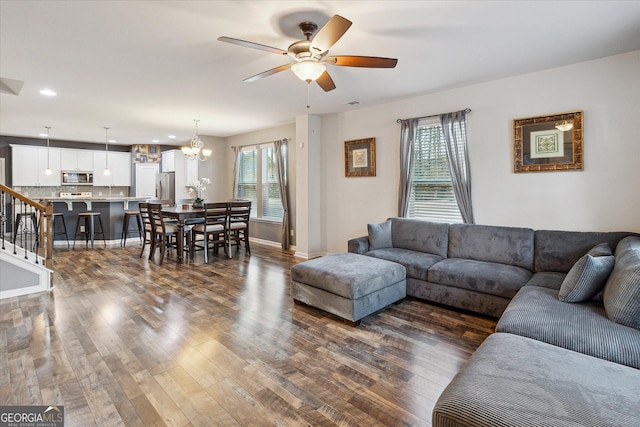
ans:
(432, 196)
(258, 182)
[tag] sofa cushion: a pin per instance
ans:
(537, 313)
(487, 277)
(379, 235)
(416, 263)
(420, 235)
(504, 245)
(518, 382)
(588, 275)
(559, 250)
(547, 279)
(622, 291)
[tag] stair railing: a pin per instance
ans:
(29, 222)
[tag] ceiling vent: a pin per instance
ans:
(10, 86)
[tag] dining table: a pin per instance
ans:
(181, 213)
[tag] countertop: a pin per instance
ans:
(96, 199)
(88, 201)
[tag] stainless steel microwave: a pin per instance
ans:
(77, 178)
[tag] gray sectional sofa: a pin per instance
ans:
(567, 345)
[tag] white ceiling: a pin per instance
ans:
(146, 68)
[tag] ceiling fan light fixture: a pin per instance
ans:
(308, 71)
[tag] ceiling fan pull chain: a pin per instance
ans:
(308, 93)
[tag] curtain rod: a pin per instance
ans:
(466, 110)
(261, 143)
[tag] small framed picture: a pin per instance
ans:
(360, 157)
(548, 143)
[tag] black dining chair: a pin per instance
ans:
(239, 219)
(165, 234)
(214, 230)
(147, 227)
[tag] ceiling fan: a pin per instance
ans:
(310, 54)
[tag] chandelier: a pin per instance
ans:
(196, 149)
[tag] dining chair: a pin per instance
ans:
(164, 235)
(239, 217)
(147, 228)
(214, 230)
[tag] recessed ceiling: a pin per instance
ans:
(146, 69)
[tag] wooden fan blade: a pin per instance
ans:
(252, 45)
(268, 72)
(328, 35)
(361, 61)
(326, 82)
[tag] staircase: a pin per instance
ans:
(25, 244)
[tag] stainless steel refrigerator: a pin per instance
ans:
(166, 188)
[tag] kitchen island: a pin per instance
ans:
(111, 213)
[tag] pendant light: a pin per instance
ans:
(196, 149)
(47, 171)
(106, 151)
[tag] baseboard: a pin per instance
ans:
(96, 243)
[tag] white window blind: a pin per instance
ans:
(432, 196)
(247, 177)
(258, 182)
(271, 200)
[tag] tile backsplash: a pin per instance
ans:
(46, 192)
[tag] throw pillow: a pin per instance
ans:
(622, 292)
(622, 298)
(588, 275)
(379, 235)
(601, 249)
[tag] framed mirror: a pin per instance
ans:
(548, 143)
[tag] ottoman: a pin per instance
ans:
(349, 285)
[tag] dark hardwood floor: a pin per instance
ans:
(125, 341)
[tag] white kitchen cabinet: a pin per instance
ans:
(146, 179)
(186, 171)
(169, 160)
(29, 164)
(77, 160)
(119, 166)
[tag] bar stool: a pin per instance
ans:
(89, 224)
(125, 226)
(64, 233)
(34, 223)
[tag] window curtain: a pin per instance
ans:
(283, 183)
(236, 169)
(455, 136)
(407, 140)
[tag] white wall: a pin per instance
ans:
(216, 168)
(603, 197)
